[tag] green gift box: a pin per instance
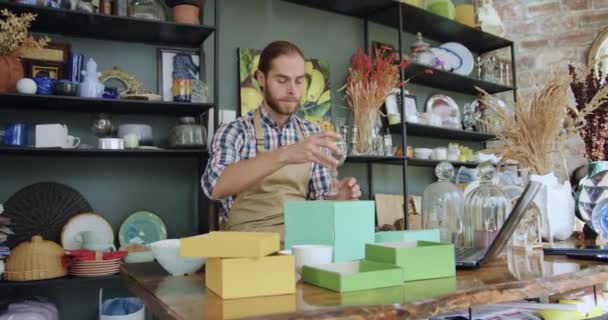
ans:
(408, 235)
(418, 259)
(406, 292)
(345, 225)
(352, 275)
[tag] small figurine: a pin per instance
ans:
(489, 20)
(91, 87)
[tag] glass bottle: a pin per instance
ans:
(442, 205)
(485, 209)
(352, 145)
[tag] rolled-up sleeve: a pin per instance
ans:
(224, 151)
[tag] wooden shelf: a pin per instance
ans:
(426, 131)
(58, 281)
(415, 19)
(108, 27)
(375, 159)
(30, 151)
(397, 160)
(450, 81)
(433, 163)
(19, 101)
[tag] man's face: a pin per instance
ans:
(284, 83)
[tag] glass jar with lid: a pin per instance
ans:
(188, 134)
(485, 209)
(147, 9)
(421, 52)
(442, 205)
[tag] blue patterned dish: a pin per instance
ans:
(142, 227)
(599, 217)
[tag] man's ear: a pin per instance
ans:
(261, 77)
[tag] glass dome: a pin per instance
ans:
(442, 205)
(485, 209)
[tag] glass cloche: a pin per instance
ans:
(443, 204)
(485, 209)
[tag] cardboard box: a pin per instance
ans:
(406, 292)
(225, 244)
(352, 276)
(432, 235)
(345, 225)
(218, 308)
(245, 277)
(418, 259)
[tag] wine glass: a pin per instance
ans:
(340, 156)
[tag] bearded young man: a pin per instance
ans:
(271, 155)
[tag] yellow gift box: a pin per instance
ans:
(226, 244)
(244, 277)
(218, 308)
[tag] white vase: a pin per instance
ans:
(556, 204)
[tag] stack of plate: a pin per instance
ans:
(95, 268)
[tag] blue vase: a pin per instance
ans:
(45, 85)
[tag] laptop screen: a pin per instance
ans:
(507, 229)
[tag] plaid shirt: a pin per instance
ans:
(235, 141)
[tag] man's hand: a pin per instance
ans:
(348, 189)
(310, 150)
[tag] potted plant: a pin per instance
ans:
(14, 37)
(370, 81)
(186, 11)
(533, 134)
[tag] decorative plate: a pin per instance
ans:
(600, 218)
(42, 209)
(142, 227)
(85, 222)
(446, 108)
(466, 59)
(593, 190)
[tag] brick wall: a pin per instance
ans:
(548, 34)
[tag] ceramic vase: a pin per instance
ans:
(556, 204)
(11, 71)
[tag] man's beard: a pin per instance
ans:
(276, 107)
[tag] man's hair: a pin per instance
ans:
(274, 50)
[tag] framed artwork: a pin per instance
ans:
(178, 64)
(36, 68)
(381, 45)
(315, 103)
(409, 106)
(53, 52)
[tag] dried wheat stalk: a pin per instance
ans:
(533, 134)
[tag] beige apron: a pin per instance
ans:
(260, 208)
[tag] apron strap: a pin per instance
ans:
(259, 131)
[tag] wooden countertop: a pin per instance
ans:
(513, 276)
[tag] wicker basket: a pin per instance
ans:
(37, 259)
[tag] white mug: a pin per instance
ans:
(71, 142)
(439, 154)
(310, 254)
(55, 135)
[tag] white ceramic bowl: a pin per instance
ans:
(422, 153)
(143, 132)
(166, 252)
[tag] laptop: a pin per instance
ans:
(469, 258)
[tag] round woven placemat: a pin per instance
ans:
(42, 208)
